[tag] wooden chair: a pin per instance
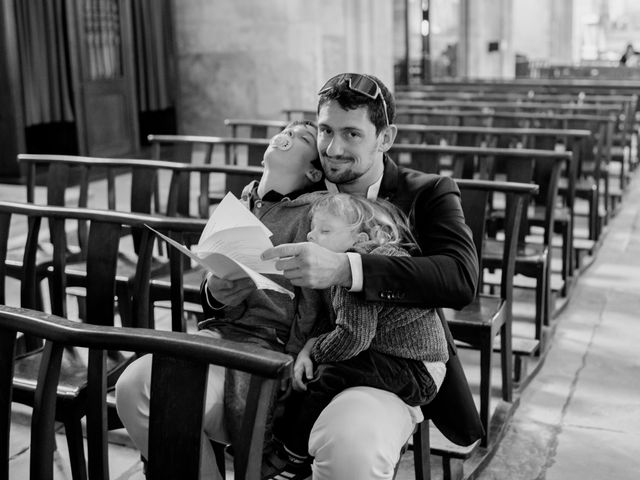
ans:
(592, 179)
(178, 382)
(57, 182)
(575, 140)
(542, 131)
(534, 256)
(479, 323)
(242, 152)
(101, 253)
(521, 169)
(490, 118)
(254, 128)
(299, 114)
(141, 176)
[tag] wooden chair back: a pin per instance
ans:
(103, 246)
(143, 195)
(221, 151)
(102, 251)
(476, 196)
(254, 128)
(299, 114)
(178, 383)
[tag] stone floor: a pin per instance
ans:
(578, 418)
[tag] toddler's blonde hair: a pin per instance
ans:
(382, 221)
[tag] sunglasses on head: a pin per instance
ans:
(359, 83)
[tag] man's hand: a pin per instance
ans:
(309, 265)
(229, 292)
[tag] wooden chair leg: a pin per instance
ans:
(547, 311)
(506, 361)
(567, 257)
(486, 353)
(540, 318)
(595, 216)
(75, 443)
(218, 452)
(421, 451)
(125, 306)
(452, 469)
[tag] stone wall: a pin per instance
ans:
(252, 58)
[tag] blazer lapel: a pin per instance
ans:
(389, 185)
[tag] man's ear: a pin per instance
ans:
(314, 175)
(387, 137)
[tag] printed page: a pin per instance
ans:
(231, 213)
(243, 244)
(223, 266)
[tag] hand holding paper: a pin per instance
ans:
(231, 244)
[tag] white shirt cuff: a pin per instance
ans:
(355, 261)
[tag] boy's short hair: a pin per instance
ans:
(293, 123)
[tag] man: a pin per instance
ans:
(361, 433)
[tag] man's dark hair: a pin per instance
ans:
(351, 100)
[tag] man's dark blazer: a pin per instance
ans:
(445, 276)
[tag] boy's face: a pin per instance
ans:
(331, 232)
(292, 150)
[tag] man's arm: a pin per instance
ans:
(446, 272)
(445, 275)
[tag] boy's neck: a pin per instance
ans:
(279, 182)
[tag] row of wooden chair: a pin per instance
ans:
(187, 143)
(101, 307)
(56, 162)
(179, 373)
(593, 152)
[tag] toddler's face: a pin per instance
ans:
(331, 232)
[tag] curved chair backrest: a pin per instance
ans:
(179, 372)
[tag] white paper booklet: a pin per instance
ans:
(231, 244)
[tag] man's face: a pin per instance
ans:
(348, 145)
(292, 149)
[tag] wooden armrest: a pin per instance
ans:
(240, 356)
(178, 389)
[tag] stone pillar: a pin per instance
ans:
(544, 30)
(486, 31)
(252, 58)
(561, 32)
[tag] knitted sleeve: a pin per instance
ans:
(355, 327)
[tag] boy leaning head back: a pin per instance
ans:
(291, 160)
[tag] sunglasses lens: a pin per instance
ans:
(333, 81)
(357, 83)
(364, 85)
